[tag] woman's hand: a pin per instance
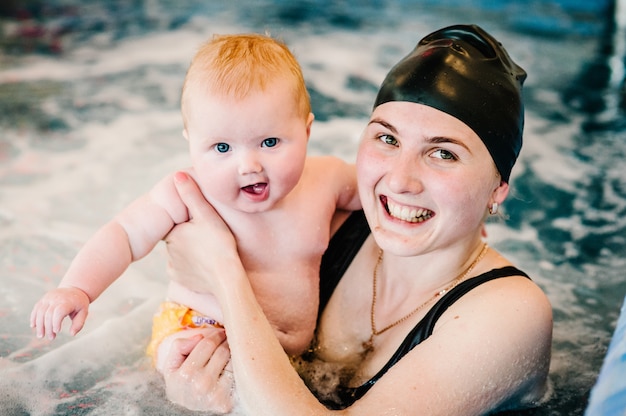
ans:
(197, 370)
(203, 257)
(197, 246)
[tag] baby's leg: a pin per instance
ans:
(203, 303)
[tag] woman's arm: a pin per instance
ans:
(266, 382)
(485, 352)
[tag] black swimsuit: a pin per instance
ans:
(342, 248)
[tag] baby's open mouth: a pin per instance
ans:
(256, 189)
(404, 213)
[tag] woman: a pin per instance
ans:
(421, 316)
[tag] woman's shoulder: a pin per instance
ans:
(492, 345)
(511, 307)
(514, 290)
(501, 319)
(512, 312)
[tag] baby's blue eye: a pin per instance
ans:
(270, 142)
(222, 147)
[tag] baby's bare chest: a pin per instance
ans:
(283, 268)
(284, 245)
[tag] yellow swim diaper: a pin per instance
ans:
(173, 317)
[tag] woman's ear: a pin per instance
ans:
(500, 193)
(185, 134)
(498, 196)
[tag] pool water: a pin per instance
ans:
(89, 119)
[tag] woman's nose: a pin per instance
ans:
(249, 163)
(404, 176)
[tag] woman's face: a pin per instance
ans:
(425, 179)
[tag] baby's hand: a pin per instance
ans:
(48, 314)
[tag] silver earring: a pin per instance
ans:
(493, 209)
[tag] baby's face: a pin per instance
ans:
(248, 153)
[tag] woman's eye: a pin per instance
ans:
(388, 139)
(444, 154)
(222, 147)
(270, 142)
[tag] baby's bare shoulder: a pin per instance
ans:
(334, 177)
(325, 163)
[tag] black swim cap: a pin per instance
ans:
(465, 72)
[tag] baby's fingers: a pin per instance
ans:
(37, 319)
(51, 323)
(50, 320)
(78, 320)
(34, 316)
(60, 312)
(41, 320)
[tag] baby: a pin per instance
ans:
(247, 118)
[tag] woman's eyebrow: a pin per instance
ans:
(433, 140)
(384, 124)
(443, 139)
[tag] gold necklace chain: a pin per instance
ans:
(368, 345)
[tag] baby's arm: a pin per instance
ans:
(132, 234)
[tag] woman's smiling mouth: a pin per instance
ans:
(405, 213)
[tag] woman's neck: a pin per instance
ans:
(425, 274)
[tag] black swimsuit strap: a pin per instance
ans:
(425, 328)
(342, 248)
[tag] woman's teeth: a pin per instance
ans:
(405, 213)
